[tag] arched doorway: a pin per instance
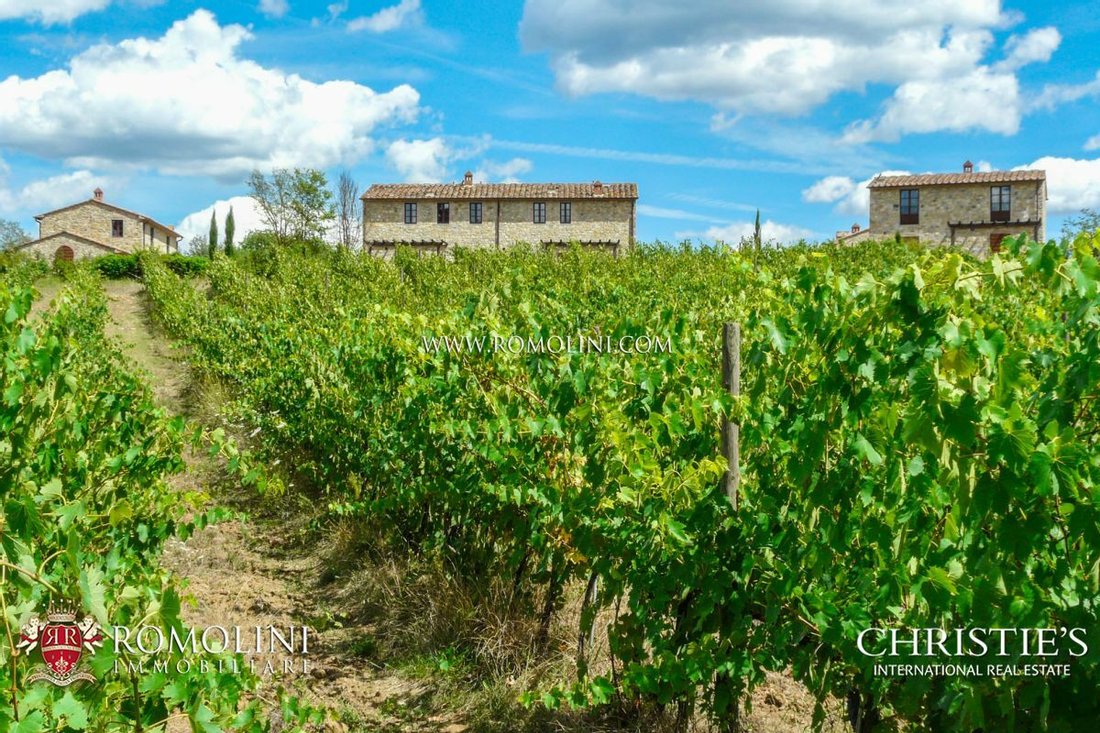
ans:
(64, 253)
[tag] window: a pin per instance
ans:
(116, 227)
(565, 215)
(910, 206)
(475, 212)
(1000, 203)
(443, 213)
(410, 213)
(538, 212)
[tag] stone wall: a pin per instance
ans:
(862, 235)
(592, 220)
(93, 221)
(958, 202)
(47, 249)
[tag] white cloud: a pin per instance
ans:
(49, 11)
(187, 103)
(850, 197)
(1036, 46)
(406, 12)
(1056, 94)
(274, 8)
(771, 231)
(420, 161)
(507, 172)
(246, 218)
(1072, 184)
(335, 10)
(983, 99)
(788, 57)
(50, 193)
(829, 189)
(1093, 143)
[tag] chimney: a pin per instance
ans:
(968, 167)
(597, 186)
(98, 194)
(468, 179)
(855, 229)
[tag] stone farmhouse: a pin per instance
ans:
(437, 217)
(971, 210)
(93, 228)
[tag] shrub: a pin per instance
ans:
(184, 265)
(18, 266)
(118, 267)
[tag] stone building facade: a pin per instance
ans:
(439, 217)
(970, 210)
(93, 228)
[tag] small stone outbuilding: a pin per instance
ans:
(93, 228)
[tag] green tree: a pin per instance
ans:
(12, 235)
(212, 240)
(1086, 222)
(230, 230)
(295, 204)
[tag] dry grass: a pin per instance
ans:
(477, 646)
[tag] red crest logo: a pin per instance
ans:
(63, 639)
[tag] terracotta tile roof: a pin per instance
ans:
(945, 179)
(463, 191)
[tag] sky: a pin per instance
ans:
(714, 109)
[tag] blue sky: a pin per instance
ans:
(714, 109)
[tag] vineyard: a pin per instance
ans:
(917, 451)
(85, 459)
(918, 438)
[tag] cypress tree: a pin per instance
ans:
(212, 241)
(230, 230)
(757, 242)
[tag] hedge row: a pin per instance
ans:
(117, 267)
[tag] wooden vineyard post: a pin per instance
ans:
(731, 448)
(731, 431)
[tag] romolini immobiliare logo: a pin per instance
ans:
(61, 641)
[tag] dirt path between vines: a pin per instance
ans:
(246, 572)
